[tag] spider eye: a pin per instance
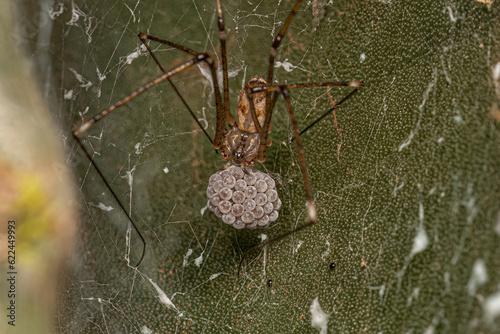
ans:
(240, 155)
(234, 152)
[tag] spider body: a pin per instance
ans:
(243, 140)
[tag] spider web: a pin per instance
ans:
(403, 173)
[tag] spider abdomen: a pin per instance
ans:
(244, 114)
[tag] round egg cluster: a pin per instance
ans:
(243, 197)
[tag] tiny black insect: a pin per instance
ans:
(332, 265)
(269, 283)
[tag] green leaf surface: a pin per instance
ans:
(404, 174)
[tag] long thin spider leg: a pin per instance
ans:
(274, 47)
(273, 88)
(264, 140)
(267, 121)
(311, 208)
(222, 116)
(256, 123)
(326, 113)
(271, 241)
(225, 82)
(85, 126)
(175, 89)
(144, 36)
(78, 140)
(355, 84)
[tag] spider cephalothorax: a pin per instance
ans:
(241, 146)
(243, 139)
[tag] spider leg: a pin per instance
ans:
(222, 115)
(354, 84)
(265, 141)
(311, 208)
(271, 241)
(326, 113)
(78, 140)
(273, 88)
(283, 89)
(85, 126)
(256, 123)
(274, 47)
(225, 82)
(175, 88)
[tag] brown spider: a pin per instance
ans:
(246, 139)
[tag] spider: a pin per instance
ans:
(245, 139)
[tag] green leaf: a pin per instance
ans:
(404, 174)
